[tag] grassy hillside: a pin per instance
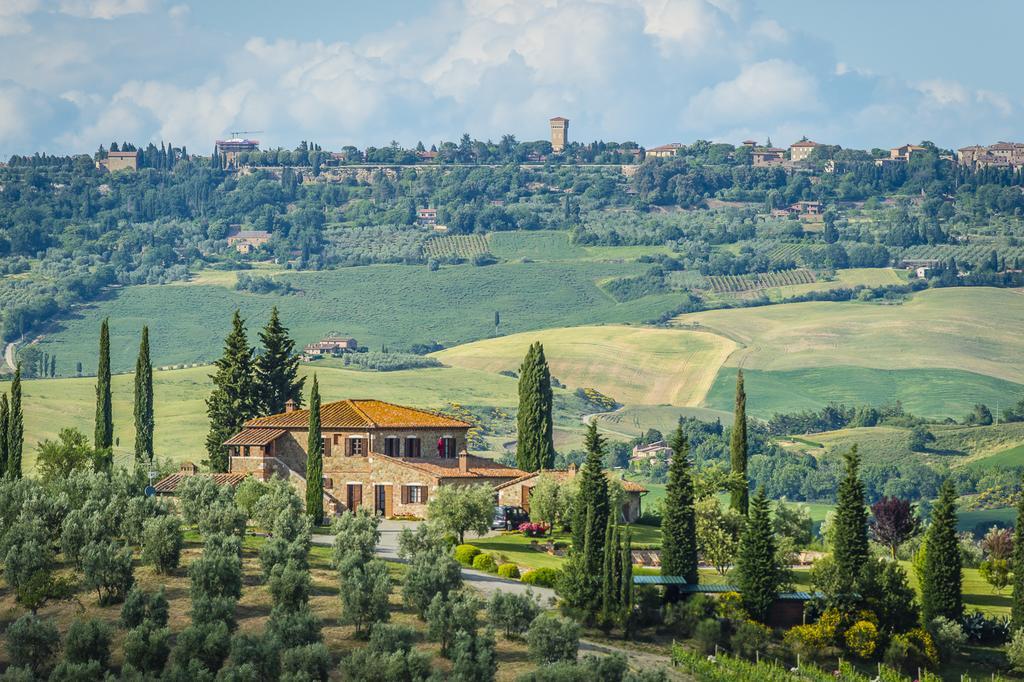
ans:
(972, 329)
(634, 365)
(396, 305)
(924, 392)
(181, 425)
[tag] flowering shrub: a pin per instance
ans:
(730, 606)
(862, 638)
(808, 640)
(534, 530)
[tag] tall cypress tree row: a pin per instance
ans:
(942, 573)
(144, 424)
(1017, 604)
(315, 459)
(15, 428)
(5, 420)
(850, 535)
(679, 522)
(610, 589)
(740, 497)
(233, 399)
(103, 436)
(277, 368)
(535, 447)
(758, 573)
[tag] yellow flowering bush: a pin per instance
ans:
(730, 605)
(829, 624)
(806, 639)
(862, 638)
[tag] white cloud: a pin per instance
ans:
(105, 9)
(944, 92)
(13, 16)
(760, 91)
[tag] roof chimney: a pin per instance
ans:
(289, 406)
(463, 461)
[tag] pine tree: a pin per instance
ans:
(5, 419)
(233, 400)
(315, 459)
(104, 434)
(15, 428)
(1017, 605)
(535, 448)
(679, 522)
(850, 535)
(144, 424)
(758, 573)
(941, 575)
(740, 497)
(277, 368)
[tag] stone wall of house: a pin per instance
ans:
(380, 471)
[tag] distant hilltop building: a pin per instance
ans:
(559, 133)
(247, 241)
(116, 161)
(768, 156)
(798, 151)
(664, 151)
(331, 345)
(999, 155)
(228, 150)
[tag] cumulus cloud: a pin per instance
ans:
(764, 90)
(649, 70)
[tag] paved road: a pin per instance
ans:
(486, 583)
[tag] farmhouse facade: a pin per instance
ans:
(379, 456)
(517, 491)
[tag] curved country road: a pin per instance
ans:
(9, 356)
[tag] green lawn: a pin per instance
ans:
(515, 547)
(397, 305)
(924, 392)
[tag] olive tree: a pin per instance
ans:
(457, 509)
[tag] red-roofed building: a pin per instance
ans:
(376, 455)
(798, 151)
(517, 491)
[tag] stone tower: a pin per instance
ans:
(559, 133)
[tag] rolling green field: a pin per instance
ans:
(554, 245)
(397, 305)
(924, 392)
(972, 329)
(634, 365)
(53, 404)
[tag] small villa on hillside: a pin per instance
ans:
(379, 456)
(517, 492)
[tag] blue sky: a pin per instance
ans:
(80, 73)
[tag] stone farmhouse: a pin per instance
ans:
(768, 156)
(798, 151)
(999, 155)
(379, 456)
(657, 449)
(247, 241)
(116, 161)
(665, 151)
(517, 492)
(329, 346)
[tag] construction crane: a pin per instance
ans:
(236, 133)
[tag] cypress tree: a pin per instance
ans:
(233, 399)
(941, 575)
(277, 368)
(5, 419)
(679, 522)
(850, 537)
(589, 525)
(104, 434)
(610, 589)
(756, 568)
(144, 424)
(315, 459)
(535, 447)
(15, 428)
(740, 497)
(1017, 604)
(626, 581)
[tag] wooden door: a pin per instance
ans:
(355, 496)
(388, 501)
(527, 489)
(382, 502)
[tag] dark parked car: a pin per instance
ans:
(507, 517)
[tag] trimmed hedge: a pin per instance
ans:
(509, 571)
(465, 554)
(485, 562)
(541, 577)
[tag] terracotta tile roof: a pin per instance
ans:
(366, 414)
(559, 118)
(169, 484)
(804, 143)
(478, 467)
(255, 437)
(562, 475)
